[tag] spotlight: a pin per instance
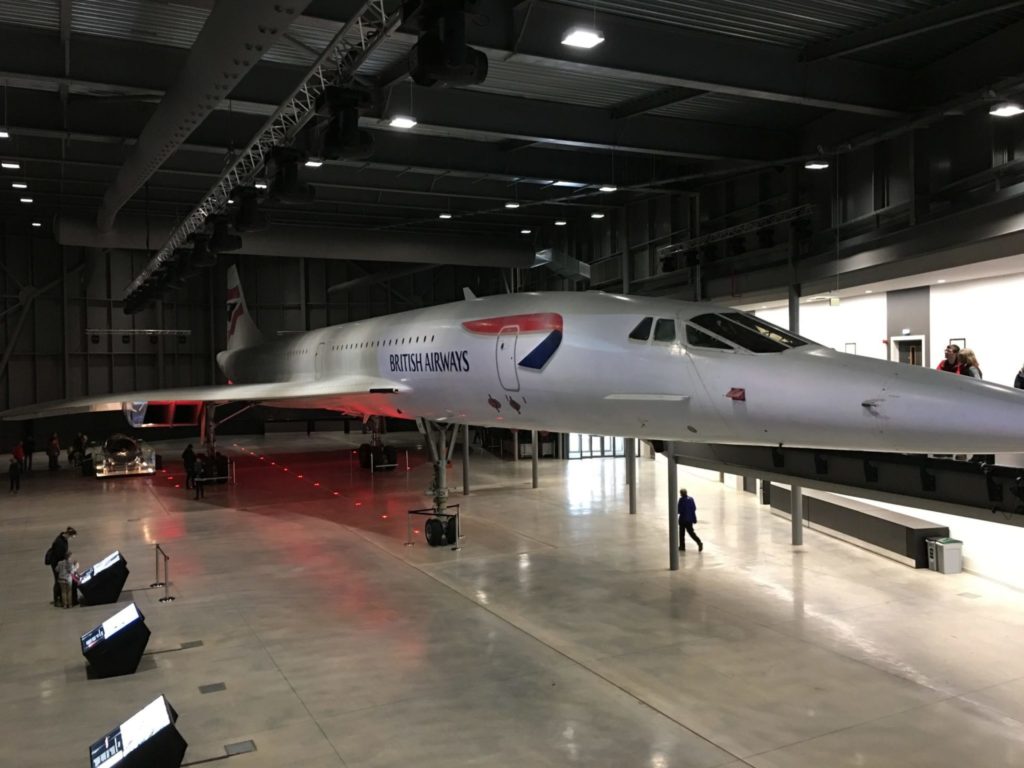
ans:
(597, 215)
(526, 231)
(37, 224)
(223, 240)
(580, 37)
(341, 138)
(202, 256)
(441, 56)
(511, 205)
(249, 217)
(817, 164)
(560, 223)
(444, 216)
(1006, 109)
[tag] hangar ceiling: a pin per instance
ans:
(680, 93)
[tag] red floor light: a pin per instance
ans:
(273, 463)
(383, 517)
(316, 485)
(335, 493)
(359, 503)
(299, 476)
(177, 485)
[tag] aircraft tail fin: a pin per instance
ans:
(242, 331)
(467, 293)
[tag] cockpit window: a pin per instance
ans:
(642, 332)
(748, 332)
(697, 338)
(665, 329)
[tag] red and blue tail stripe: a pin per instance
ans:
(536, 322)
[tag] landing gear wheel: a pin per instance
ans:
(364, 455)
(434, 531)
(391, 457)
(451, 531)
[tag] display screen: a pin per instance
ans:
(115, 623)
(136, 730)
(103, 564)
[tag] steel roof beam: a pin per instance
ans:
(955, 12)
(651, 101)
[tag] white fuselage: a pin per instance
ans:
(599, 380)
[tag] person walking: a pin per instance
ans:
(30, 447)
(59, 551)
(53, 451)
(687, 519)
(19, 454)
(188, 458)
(199, 476)
(14, 473)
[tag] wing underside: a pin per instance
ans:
(338, 393)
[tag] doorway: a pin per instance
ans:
(907, 349)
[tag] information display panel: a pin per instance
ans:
(102, 583)
(147, 738)
(116, 646)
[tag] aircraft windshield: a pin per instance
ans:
(749, 332)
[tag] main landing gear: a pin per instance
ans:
(374, 455)
(443, 527)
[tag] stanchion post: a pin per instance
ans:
(167, 583)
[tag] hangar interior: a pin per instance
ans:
(850, 168)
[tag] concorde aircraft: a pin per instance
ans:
(598, 363)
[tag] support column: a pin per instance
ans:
(536, 456)
(673, 505)
(796, 513)
(631, 472)
(515, 445)
(465, 460)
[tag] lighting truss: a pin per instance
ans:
(790, 214)
(136, 332)
(337, 65)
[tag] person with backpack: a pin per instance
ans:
(57, 552)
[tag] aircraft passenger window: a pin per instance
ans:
(665, 330)
(642, 332)
(697, 338)
(767, 329)
(740, 335)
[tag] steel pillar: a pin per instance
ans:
(631, 472)
(536, 457)
(796, 513)
(673, 506)
(465, 459)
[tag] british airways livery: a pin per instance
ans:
(603, 364)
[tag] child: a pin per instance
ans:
(65, 574)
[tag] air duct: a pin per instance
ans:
(236, 35)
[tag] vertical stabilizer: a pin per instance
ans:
(242, 331)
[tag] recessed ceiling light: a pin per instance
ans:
(942, 281)
(37, 224)
(869, 291)
(314, 163)
(608, 188)
(597, 215)
(817, 164)
(10, 166)
(1008, 109)
(511, 204)
(26, 200)
(560, 223)
(525, 231)
(444, 216)
(764, 306)
(580, 37)
(19, 185)
(401, 121)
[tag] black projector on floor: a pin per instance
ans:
(116, 646)
(147, 739)
(103, 582)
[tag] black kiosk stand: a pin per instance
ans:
(148, 739)
(103, 582)
(116, 646)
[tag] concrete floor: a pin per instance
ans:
(556, 636)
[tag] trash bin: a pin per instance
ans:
(949, 555)
(933, 553)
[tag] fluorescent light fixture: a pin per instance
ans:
(574, 184)
(260, 185)
(314, 163)
(231, 201)
(869, 291)
(4, 134)
(19, 185)
(401, 121)
(561, 223)
(597, 215)
(608, 188)
(942, 281)
(37, 224)
(580, 37)
(817, 164)
(26, 200)
(10, 166)
(1006, 109)
(444, 216)
(525, 231)
(511, 204)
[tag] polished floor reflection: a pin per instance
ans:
(556, 636)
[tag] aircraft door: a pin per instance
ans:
(318, 360)
(505, 353)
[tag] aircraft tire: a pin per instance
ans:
(391, 457)
(434, 532)
(364, 455)
(450, 531)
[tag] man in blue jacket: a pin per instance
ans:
(688, 519)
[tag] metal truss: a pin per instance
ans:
(338, 64)
(790, 214)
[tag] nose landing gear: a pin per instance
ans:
(375, 455)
